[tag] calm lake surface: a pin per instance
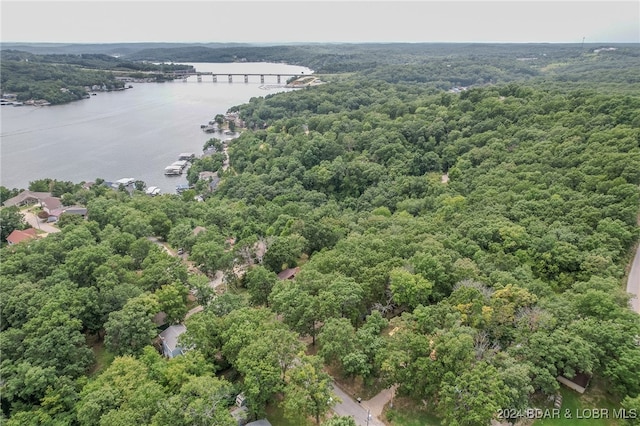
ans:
(133, 133)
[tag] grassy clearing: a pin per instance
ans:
(574, 406)
(275, 415)
(103, 357)
(406, 412)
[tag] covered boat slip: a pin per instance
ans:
(153, 190)
(177, 167)
(186, 156)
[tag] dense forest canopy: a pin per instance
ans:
(467, 247)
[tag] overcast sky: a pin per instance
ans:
(517, 21)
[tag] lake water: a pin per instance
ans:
(133, 133)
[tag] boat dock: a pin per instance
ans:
(153, 190)
(177, 167)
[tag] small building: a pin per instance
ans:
(579, 383)
(241, 400)
(79, 210)
(55, 214)
(213, 183)
(18, 236)
(289, 274)
(169, 338)
(211, 177)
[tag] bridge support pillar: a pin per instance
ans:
(246, 78)
(230, 78)
(278, 78)
(215, 78)
(199, 78)
(262, 78)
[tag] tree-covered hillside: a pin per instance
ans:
(467, 247)
(63, 78)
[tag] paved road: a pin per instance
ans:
(633, 283)
(349, 407)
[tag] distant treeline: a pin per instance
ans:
(335, 58)
(441, 65)
(63, 78)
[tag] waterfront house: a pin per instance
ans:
(211, 177)
(26, 197)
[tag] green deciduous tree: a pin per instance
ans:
(10, 220)
(472, 397)
(409, 289)
(336, 340)
(122, 394)
(309, 390)
(284, 252)
(259, 282)
(130, 329)
(203, 291)
(172, 299)
(211, 256)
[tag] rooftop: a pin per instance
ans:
(170, 340)
(18, 236)
(26, 196)
(289, 274)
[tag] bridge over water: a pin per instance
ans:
(186, 74)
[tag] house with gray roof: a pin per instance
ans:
(169, 339)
